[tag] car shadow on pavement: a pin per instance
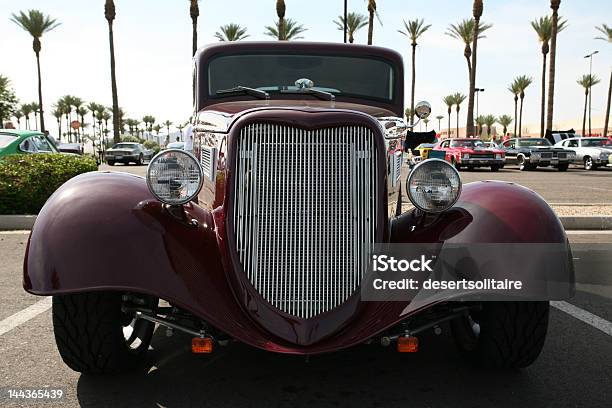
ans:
(368, 375)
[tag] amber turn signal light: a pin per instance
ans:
(407, 344)
(201, 345)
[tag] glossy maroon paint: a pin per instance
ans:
(96, 215)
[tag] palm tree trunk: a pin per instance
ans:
(457, 135)
(59, 129)
(413, 82)
(543, 95)
(551, 69)
(40, 101)
(520, 129)
(470, 114)
(116, 123)
(449, 121)
(371, 27)
(515, 114)
(586, 98)
(606, 120)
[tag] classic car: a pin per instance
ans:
(529, 153)
(24, 141)
(176, 145)
(591, 152)
(471, 153)
(262, 234)
(491, 145)
(74, 148)
(128, 152)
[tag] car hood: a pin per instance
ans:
(220, 116)
(121, 150)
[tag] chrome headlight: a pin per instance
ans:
(174, 177)
(498, 156)
(433, 186)
(604, 155)
(466, 155)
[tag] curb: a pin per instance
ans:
(595, 223)
(16, 222)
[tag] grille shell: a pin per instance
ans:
(304, 212)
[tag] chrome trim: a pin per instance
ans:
(305, 213)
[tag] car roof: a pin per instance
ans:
(20, 132)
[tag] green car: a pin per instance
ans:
(14, 141)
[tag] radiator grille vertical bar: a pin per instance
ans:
(305, 212)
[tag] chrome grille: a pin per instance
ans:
(305, 213)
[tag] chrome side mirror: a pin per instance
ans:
(394, 127)
(422, 110)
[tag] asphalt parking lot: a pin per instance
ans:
(574, 369)
(574, 186)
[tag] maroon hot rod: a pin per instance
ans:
(258, 235)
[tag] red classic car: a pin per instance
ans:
(471, 153)
(262, 233)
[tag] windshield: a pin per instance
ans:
(534, 142)
(6, 140)
(340, 75)
(130, 146)
(596, 143)
(467, 143)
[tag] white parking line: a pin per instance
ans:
(24, 315)
(584, 316)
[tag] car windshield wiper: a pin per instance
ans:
(258, 93)
(326, 96)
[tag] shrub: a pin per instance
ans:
(27, 181)
(152, 145)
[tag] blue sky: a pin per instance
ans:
(153, 47)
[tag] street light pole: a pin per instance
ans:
(590, 57)
(345, 17)
(477, 91)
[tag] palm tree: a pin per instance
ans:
(148, 120)
(477, 13)
(82, 111)
(110, 14)
(464, 31)
(554, 5)
(77, 103)
(354, 21)
(94, 107)
(543, 28)
(371, 13)
(607, 36)
(480, 122)
(105, 116)
(180, 127)
(58, 114)
(459, 98)
(231, 32)
(167, 124)
(439, 117)
(449, 100)
(26, 109)
(194, 12)
(413, 30)
(426, 122)
(35, 108)
(514, 89)
(505, 121)
(18, 115)
(281, 26)
(291, 31)
(587, 81)
(522, 82)
(36, 24)
(489, 120)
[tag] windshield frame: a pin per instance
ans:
(604, 142)
(213, 51)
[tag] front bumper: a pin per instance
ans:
(122, 158)
(547, 161)
(477, 161)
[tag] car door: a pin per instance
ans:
(509, 146)
(28, 146)
(574, 145)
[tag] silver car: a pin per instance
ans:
(591, 152)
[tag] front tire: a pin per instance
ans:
(140, 160)
(110, 162)
(588, 163)
(563, 167)
(495, 167)
(503, 334)
(94, 336)
(522, 163)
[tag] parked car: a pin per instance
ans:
(14, 141)
(591, 152)
(555, 136)
(533, 152)
(491, 145)
(74, 148)
(262, 235)
(471, 153)
(423, 149)
(176, 145)
(128, 152)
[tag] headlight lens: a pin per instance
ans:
(498, 156)
(174, 177)
(433, 186)
(604, 155)
(466, 155)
